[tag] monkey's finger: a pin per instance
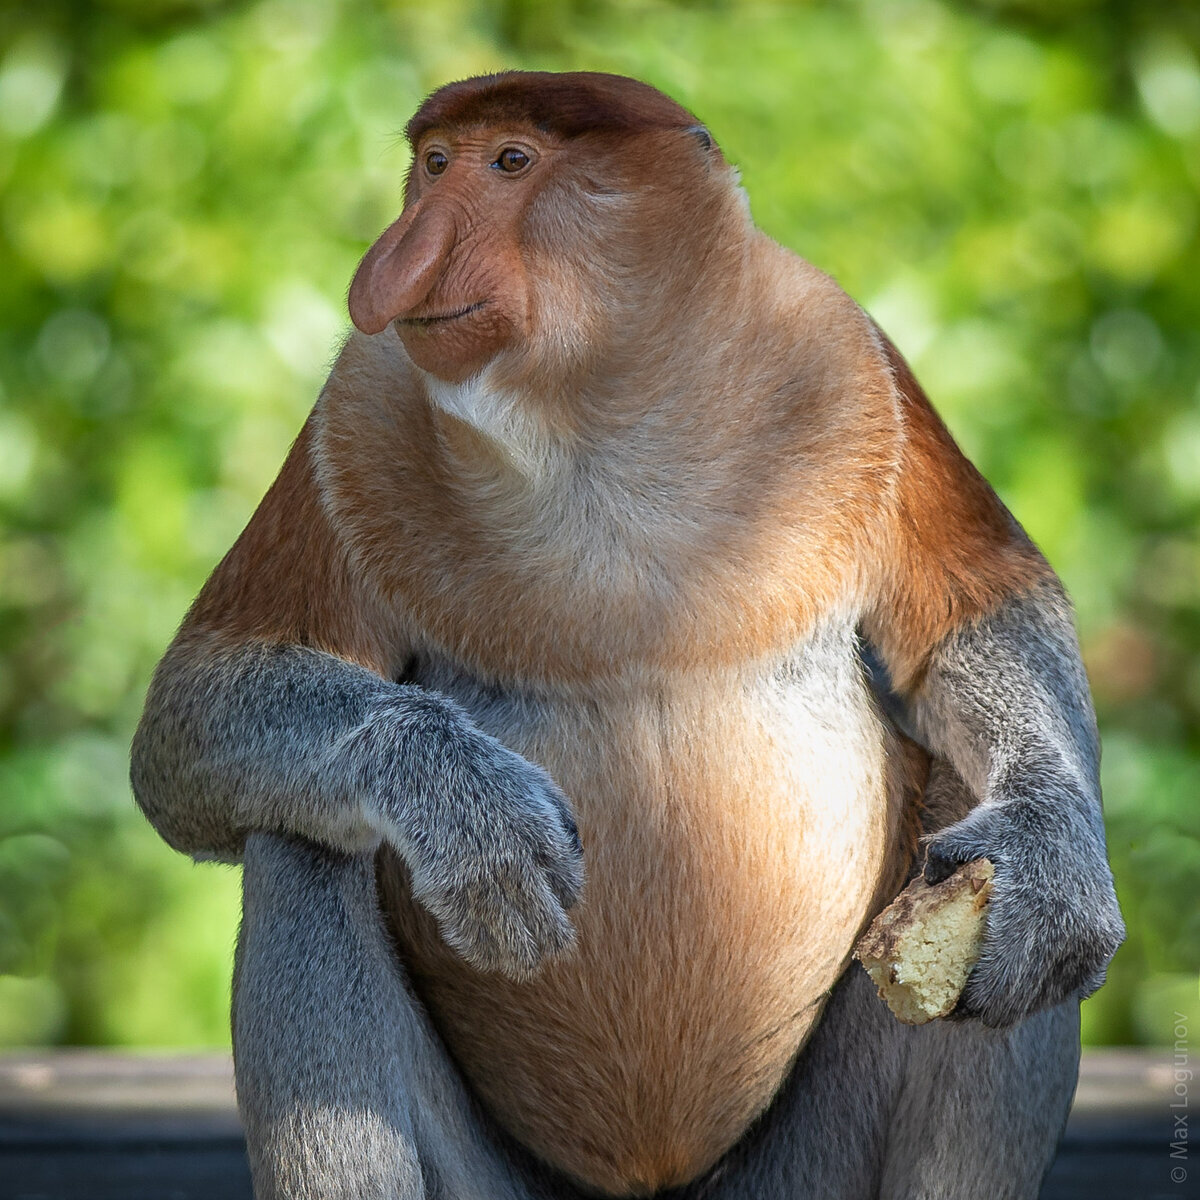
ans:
(509, 923)
(560, 859)
(565, 879)
(962, 842)
(943, 859)
(573, 834)
(562, 808)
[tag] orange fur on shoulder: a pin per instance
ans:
(287, 579)
(956, 553)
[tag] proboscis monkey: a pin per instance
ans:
(615, 516)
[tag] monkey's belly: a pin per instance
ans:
(732, 855)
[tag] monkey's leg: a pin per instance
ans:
(823, 1136)
(346, 1091)
(981, 1110)
(873, 1108)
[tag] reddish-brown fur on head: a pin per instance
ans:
(566, 105)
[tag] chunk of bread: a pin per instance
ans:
(921, 948)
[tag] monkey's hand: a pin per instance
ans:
(488, 837)
(1053, 922)
(291, 740)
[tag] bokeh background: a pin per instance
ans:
(1010, 186)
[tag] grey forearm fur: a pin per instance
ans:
(1007, 698)
(277, 738)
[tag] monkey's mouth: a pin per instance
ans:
(440, 318)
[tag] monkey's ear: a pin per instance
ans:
(701, 134)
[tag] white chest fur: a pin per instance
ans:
(504, 417)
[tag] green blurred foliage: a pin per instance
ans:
(185, 187)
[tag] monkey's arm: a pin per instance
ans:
(978, 637)
(270, 712)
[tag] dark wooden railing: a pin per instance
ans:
(101, 1125)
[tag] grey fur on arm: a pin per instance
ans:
(1006, 701)
(285, 739)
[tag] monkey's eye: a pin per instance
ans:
(512, 160)
(436, 162)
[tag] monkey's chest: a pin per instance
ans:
(735, 834)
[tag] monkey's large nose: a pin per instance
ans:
(399, 270)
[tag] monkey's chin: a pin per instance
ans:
(456, 347)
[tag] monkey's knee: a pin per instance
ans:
(318, 1074)
(345, 1088)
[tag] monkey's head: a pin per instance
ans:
(542, 214)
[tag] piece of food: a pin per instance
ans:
(921, 948)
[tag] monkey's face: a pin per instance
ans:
(547, 215)
(449, 273)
